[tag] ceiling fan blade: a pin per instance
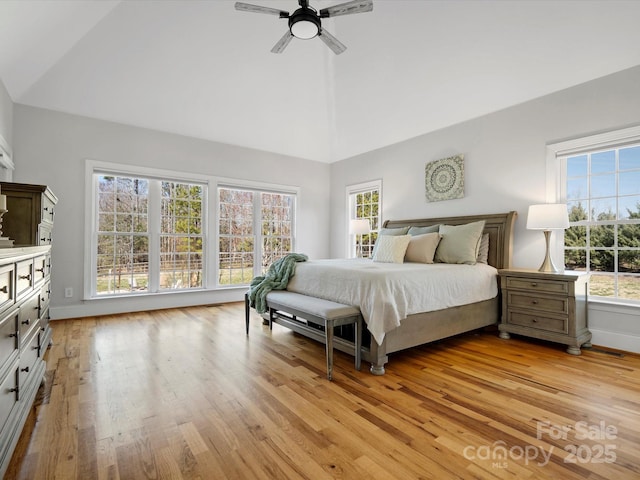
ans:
(332, 42)
(247, 7)
(355, 6)
(282, 43)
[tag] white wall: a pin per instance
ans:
(50, 148)
(505, 169)
(6, 129)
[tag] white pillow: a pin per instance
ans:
(422, 248)
(459, 243)
(391, 248)
(483, 250)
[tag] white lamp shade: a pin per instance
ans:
(359, 226)
(549, 216)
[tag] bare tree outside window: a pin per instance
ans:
(123, 263)
(255, 229)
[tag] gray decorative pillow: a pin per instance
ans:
(422, 248)
(423, 230)
(459, 243)
(394, 231)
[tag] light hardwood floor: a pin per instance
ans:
(184, 394)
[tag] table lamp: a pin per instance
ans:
(359, 227)
(548, 217)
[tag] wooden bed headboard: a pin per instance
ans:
(499, 226)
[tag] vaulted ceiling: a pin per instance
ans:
(203, 69)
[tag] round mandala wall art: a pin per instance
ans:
(444, 179)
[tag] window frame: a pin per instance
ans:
(256, 188)
(95, 168)
(557, 154)
(351, 192)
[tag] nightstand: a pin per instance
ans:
(546, 306)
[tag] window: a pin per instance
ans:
(148, 235)
(255, 229)
(364, 202)
(601, 186)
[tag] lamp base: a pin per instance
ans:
(547, 264)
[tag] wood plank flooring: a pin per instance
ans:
(184, 394)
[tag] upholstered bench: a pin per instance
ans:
(313, 310)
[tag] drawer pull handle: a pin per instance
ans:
(534, 284)
(26, 322)
(25, 277)
(41, 270)
(4, 289)
(25, 369)
(534, 320)
(15, 334)
(534, 302)
(15, 389)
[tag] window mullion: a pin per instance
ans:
(257, 234)
(154, 235)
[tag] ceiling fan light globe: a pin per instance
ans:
(304, 29)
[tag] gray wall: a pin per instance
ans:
(51, 149)
(505, 166)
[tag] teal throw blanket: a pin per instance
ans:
(277, 278)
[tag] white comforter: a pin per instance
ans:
(386, 292)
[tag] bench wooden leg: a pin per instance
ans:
(247, 312)
(328, 328)
(358, 345)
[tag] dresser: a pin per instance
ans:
(31, 208)
(24, 337)
(546, 306)
(25, 290)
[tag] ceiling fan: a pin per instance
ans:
(306, 23)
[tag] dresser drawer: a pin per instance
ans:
(39, 269)
(45, 296)
(8, 339)
(538, 302)
(28, 358)
(534, 285)
(48, 206)
(550, 324)
(8, 396)
(24, 276)
(44, 234)
(7, 290)
(29, 315)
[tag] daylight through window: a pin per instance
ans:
(255, 228)
(149, 235)
(603, 200)
(364, 203)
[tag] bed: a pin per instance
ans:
(417, 327)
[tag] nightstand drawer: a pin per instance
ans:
(544, 303)
(549, 324)
(547, 286)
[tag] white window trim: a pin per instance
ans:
(221, 182)
(556, 175)
(352, 190)
(90, 235)
(5, 155)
